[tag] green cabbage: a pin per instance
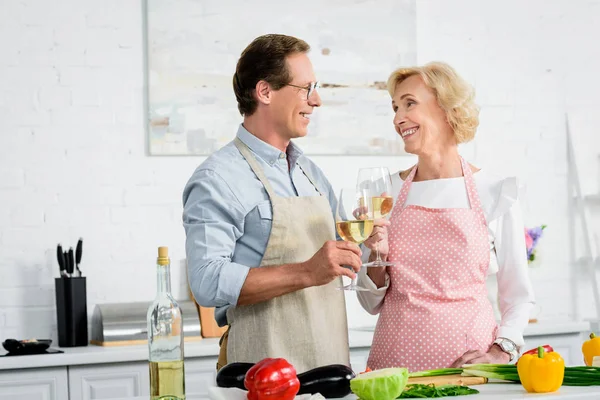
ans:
(381, 384)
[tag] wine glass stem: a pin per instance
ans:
(378, 259)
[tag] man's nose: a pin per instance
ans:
(315, 99)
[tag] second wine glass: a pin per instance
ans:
(377, 182)
(354, 220)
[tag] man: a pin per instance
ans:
(258, 202)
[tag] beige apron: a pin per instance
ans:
(307, 327)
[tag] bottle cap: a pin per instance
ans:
(163, 256)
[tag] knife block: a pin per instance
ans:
(71, 311)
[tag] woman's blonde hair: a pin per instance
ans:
(454, 95)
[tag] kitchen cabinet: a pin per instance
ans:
(200, 375)
(111, 381)
(358, 359)
(108, 381)
(34, 384)
(567, 345)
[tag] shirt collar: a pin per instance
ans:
(267, 152)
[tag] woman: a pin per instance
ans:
(447, 220)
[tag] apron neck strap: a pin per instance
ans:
(310, 179)
(406, 187)
(470, 183)
(258, 171)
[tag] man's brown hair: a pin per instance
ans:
(264, 59)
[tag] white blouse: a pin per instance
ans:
(508, 259)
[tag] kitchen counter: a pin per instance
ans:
(359, 338)
(490, 391)
(92, 354)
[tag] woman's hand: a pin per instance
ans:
(378, 239)
(495, 355)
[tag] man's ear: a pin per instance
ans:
(263, 92)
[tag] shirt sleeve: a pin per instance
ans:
(515, 292)
(372, 299)
(213, 219)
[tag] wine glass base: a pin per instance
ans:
(379, 264)
(353, 288)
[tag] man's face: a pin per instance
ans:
(291, 109)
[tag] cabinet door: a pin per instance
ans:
(34, 384)
(109, 381)
(200, 374)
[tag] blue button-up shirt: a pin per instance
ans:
(227, 215)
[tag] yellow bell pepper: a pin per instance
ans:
(590, 349)
(542, 372)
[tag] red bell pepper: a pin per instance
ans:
(547, 349)
(272, 379)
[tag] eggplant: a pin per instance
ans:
(331, 381)
(233, 374)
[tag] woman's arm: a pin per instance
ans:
(516, 297)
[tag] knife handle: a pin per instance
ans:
(71, 261)
(78, 251)
(60, 257)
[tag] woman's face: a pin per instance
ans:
(419, 119)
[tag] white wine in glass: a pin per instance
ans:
(354, 220)
(355, 231)
(382, 205)
(377, 182)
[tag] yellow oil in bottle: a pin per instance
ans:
(167, 380)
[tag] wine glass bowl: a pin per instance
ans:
(377, 182)
(354, 220)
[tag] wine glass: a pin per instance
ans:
(378, 183)
(354, 220)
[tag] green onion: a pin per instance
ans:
(505, 372)
(436, 372)
(574, 376)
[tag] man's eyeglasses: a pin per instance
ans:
(310, 88)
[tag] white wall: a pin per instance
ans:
(73, 160)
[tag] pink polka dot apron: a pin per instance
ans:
(436, 307)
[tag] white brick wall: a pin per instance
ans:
(73, 150)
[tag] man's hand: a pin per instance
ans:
(495, 355)
(328, 263)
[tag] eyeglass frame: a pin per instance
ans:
(310, 88)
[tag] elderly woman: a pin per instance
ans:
(450, 222)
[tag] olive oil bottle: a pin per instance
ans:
(165, 337)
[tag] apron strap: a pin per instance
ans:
(258, 171)
(474, 201)
(405, 188)
(222, 360)
(312, 181)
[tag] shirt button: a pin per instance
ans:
(282, 156)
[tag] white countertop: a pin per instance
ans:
(358, 338)
(92, 354)
(490, 391)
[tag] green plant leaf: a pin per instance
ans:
(413, 391)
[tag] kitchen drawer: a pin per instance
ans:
(109, 381)
(34, 384)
